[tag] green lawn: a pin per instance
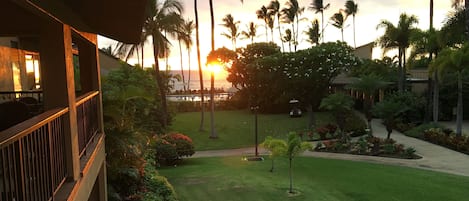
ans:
(235, 129)
(230, 179)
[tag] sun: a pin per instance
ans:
(216, 68)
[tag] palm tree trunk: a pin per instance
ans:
(182, 69)
(201, 78)
(342, 33)
(399, 79)
(266, 33)
(272, 34)
(272, 167)
(436, 97)
(354, 41)
(296, 36)
(291, 176)
(212, 78)
(143, 55)
(460, 107)
(159, 82)
(280, 33)
(322, 26)
(189, 69)
(404, 73)
(293, 34)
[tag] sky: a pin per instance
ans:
(370, 14)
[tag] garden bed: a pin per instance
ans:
(370, 146)
(435, 134)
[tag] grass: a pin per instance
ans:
(235, 129)
(230, 179)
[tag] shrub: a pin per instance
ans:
(166, 153)
(389, 148)
(170, 148)
(355, 125)
(158, 189)
(417, 132)
(183, 143)
(409, 152)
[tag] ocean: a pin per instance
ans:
(194, 84)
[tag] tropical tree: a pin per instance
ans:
(274, 9)
(232, 26)
(294, 148)
(213, 134)
(338, 20)
(250, 33)
(313, 33)
(340, 104)
(164, 17)
(452, 60)
(369, 85)
(199, 63)
(183, 37)
(287, 37)
(291, 15)
(351, 8)
(188, 28)
(398, 37)
(319, 7)
(389, 112)
(276, 147)
(263, 14)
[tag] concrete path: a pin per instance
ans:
(435, 157)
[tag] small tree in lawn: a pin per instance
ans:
(295, 147)
(388, 111)
(277, 147)
(340, 104)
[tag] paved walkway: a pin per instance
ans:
(435, 157)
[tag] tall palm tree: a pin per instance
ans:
(458, 4)
(188, 28)
(338, 20)
(398, 37)
(201, 78)
(274, 8)
(287, 37)
(291, 15)
(213, 134)
(455, 61)
(182, 36)
(164, 17)
(351, 8)
(250, 33)
(263, 14)
(319, 7)
(313, 33)
(232, 26)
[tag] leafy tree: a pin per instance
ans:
(369, 85)
(319, 7)
(294, 148)
(389, 112)
(351, 8)
(338, 20)
(456, 61)
(398, 37)
(277, 147)
(340, 105)
(453, 29)
(385, 68)
(232, 26)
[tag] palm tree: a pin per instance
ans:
(338, 20)
(294, 148)
(389, 112)
(318, 7)
(351, 8)
(232, 26)
(369, 85)
(287, 37)
(251, 31)
(188, 28)
(213, 134)
(164, 17)
(263, 14)
(457, 4)
(313, 33)
(182, 36)
(201, 78)
(291, 15)
(340, 104)
(274, 9)
(454, 61)
(398, 37)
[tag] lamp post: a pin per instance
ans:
(255, 108)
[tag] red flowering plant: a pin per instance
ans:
(322, 131)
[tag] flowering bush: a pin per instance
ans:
(448, 139)
(172, 147)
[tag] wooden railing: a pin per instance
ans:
(32, 157)
(87, 119)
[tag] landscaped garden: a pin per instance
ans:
(230, 179)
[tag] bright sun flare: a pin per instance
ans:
(216, 68)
